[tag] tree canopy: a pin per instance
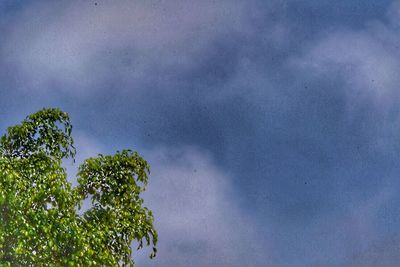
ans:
(41, 223)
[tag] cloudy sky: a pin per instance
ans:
(272, 127)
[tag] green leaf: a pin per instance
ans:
(39, 221)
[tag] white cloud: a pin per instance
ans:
(353, 233)
(197, 214)
(196, 210)
(80, 46)
(363, 230)
(367, 60)
(367, 64)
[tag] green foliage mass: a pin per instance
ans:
(40, 222)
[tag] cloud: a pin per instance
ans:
(197, 211)
(374, 246)
(79, 47)
(354, 235)
(363, 64)
(380, 253)
(299, 142)
(367, 60)
(197, 214)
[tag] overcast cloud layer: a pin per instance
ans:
(272, 127)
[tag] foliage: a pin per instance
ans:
(40, 222)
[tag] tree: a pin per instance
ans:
(40, 221)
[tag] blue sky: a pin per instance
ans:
(272, 127)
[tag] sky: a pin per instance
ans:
(272, 127)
